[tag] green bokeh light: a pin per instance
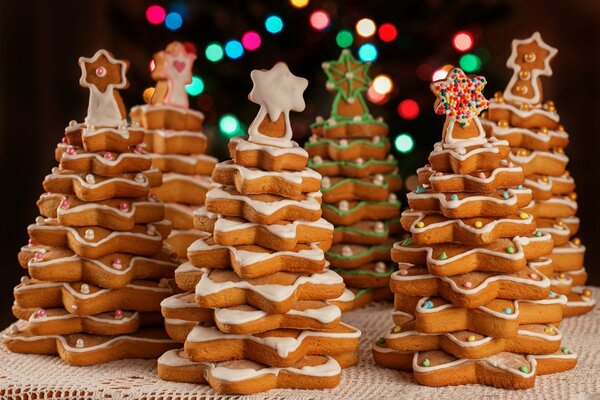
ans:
(214, 52)
(196, 87)
(344, 39)
(470, 63)
(229, 125)
(404, 143)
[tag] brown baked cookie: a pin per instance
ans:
(86, 349)
(349, 150)
(447, 259)
(103, 163)
(269, 158)
(116, 270)
(477, 288)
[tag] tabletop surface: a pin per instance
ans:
(31, 376)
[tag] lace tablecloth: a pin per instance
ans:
(35, 377)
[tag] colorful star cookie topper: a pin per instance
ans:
(278, 92)
(348, 78)
(103, 74)
(529, 60)
(173, 72)
(460, 97)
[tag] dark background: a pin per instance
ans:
(40, 42)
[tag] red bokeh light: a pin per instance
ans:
(463, 41)
(408, 109)
(251, 40)
(387, 32)
(319, 20)
(156, 14)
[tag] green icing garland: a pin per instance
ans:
(370, 161)
(360, 254)
(330, 142)
(368, 233)
(342, 271)
(361, 204)
(385, 184)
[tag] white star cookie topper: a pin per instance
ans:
(278, 92)
(530, 59)
(103, 74)
(173, 72)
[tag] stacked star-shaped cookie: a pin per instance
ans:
(173, 135)
(474, 301)
(258, 295)
(537, 141)
(350, 149)
(98, 269)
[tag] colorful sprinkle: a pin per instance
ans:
(460, 97)
(380, 340)
(407, 242)
(510, 250)
(420, 189)
(403, 272)
(507, 311)
(397, 329)
(454, 197)
(505, 195)
(523, 215)
(524, 369)
(538, 233)
(471, 338)
(420, 224)
(548, 330)
(41, 312)
(426, 362)
(443, 256)
(428, 305)
(533, 276)
(565, 350)
(468, 284)
(478, 224)
(552, 295)
(519, 187)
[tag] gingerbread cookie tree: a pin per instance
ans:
(351, 150)
(98, 269)
(174, 138)
(258, 295)
(473, 297)
(537, 140)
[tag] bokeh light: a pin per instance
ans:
(155, 14)
(387, 32)
(462, 41)
(173, 21)
(319, 20)
(251, 40)
(299, 3)
(344, 39)
(234, 49)
(366, 27)
(404, 143)
(229, 125)
(375, 97)
(383, 84)
(469, 63)
(273, 24)
(441, 73)
(196, 87)
(408, 109)
(367, 52)
(214, 52)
